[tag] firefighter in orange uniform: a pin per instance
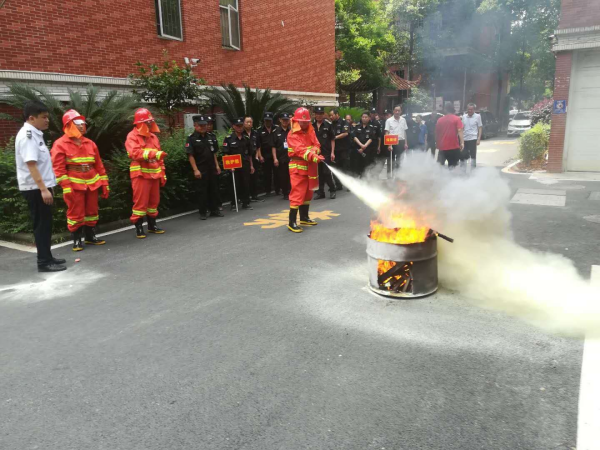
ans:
(147, 171)
(80, 172)
(304, 152)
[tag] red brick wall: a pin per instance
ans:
(579, 13)
(562, 81)
(106, 38)
(8, 128)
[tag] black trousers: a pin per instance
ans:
(242, 184)
(41, 215)
(341, 163)
(470, 150)
(397, 151)
(284, 177)
(431, 146)
(208, 192)
(325, 177)
(271, 175)
(452, 156)
(254, 179)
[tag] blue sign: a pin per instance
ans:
(560, 107)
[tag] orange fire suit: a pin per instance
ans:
(80, 173)
(303, 148)
(147, 172)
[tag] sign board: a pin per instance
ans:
(390, 139)
(231, 162)
(456, 106)
(560, 107)
(439, 103)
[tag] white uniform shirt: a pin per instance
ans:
(471, 126)
(30, 146)
(397, 127)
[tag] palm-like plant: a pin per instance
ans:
(108, 120)
(230, 100)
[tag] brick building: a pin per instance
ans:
(575, 136)
(59, 44)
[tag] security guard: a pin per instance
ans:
(265, 144)
(383, 153)
(341, 129)
(281, 159)
(202, 154)
(364, 135)
(326, 136)
(210, 126)
(238, 143)
(375, 122)
(253, 135)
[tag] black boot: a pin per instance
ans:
(292, 226)
(152, 228)
(304, 219)
(139, 229)
(77, 244)
(90, 237)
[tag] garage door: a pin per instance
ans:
(583, 127)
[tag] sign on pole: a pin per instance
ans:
(390, 139)
(232, 162)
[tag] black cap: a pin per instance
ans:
(238, 121)
(285, 116)
(200, 120)
(319, 110)
(373, 110)
(387, 111)
(268, 116)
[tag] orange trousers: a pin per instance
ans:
(300, 194)
(146, 197)
(82, 209)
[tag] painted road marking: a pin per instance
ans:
(539, 199)
(588, 419)
(542, 191)
(281, 219)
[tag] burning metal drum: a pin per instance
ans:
(398, 269)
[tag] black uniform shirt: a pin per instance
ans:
(265, 141)
(364, 133)
(232, 145)
(202, 147)
(412, 134)
(253, 135)
(214, 141)
(280, 143)
(381, 124)
(325, 135)
(342, 126)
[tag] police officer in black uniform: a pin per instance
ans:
(238, 143)
(326, 136)
(202, 154)
(383, 153)
(213, 137)
(253, 135)
(377, 126)
(265, 145)
(281, 160)
(341, 129)
(364, 138)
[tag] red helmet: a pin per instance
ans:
(71, 115)
(302, 115)
(142, 115)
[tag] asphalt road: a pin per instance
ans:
(218, 335)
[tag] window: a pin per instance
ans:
(168, 19)
(230, 23)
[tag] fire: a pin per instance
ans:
(407, 233)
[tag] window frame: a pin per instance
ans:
(229, 8)
(162, 33)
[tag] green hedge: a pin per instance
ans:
(534, 143)
(179, 194)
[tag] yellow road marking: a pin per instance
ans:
(281, 219)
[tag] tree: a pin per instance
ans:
(254, 103)
(364, 41)
(108, 119)
(169, 86)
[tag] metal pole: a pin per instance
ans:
(392, 163)
(234, 190)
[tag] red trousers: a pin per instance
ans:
(300, 194)
(146, 197)
(82, 208)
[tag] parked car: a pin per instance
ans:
(519, 123)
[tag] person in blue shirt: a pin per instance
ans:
(422, 133)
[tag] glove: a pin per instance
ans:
(105, 192)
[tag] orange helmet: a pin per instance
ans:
(302, 115)
(71, 115)
(142, 115)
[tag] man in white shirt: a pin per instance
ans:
(472, 132)
(36, 181)
(396, 125)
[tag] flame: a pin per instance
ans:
(407, 233)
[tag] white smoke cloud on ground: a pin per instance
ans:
(484, 263)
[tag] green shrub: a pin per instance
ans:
(534, 143)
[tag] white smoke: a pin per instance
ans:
(485, 264)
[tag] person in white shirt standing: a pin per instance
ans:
(36, 181)
(396, 125)
(472, 130)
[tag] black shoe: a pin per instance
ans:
(203, 216)
(77, 243)
(220, 208)
(247, 207)
(52, 267)
(90, 237)
(139, 229)
(59, 261)
(217, 214)
(332, 195)
(152, 228)
(319, 196)
(232, 206)
(295, 228)
(256, 199)
(304, 217)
